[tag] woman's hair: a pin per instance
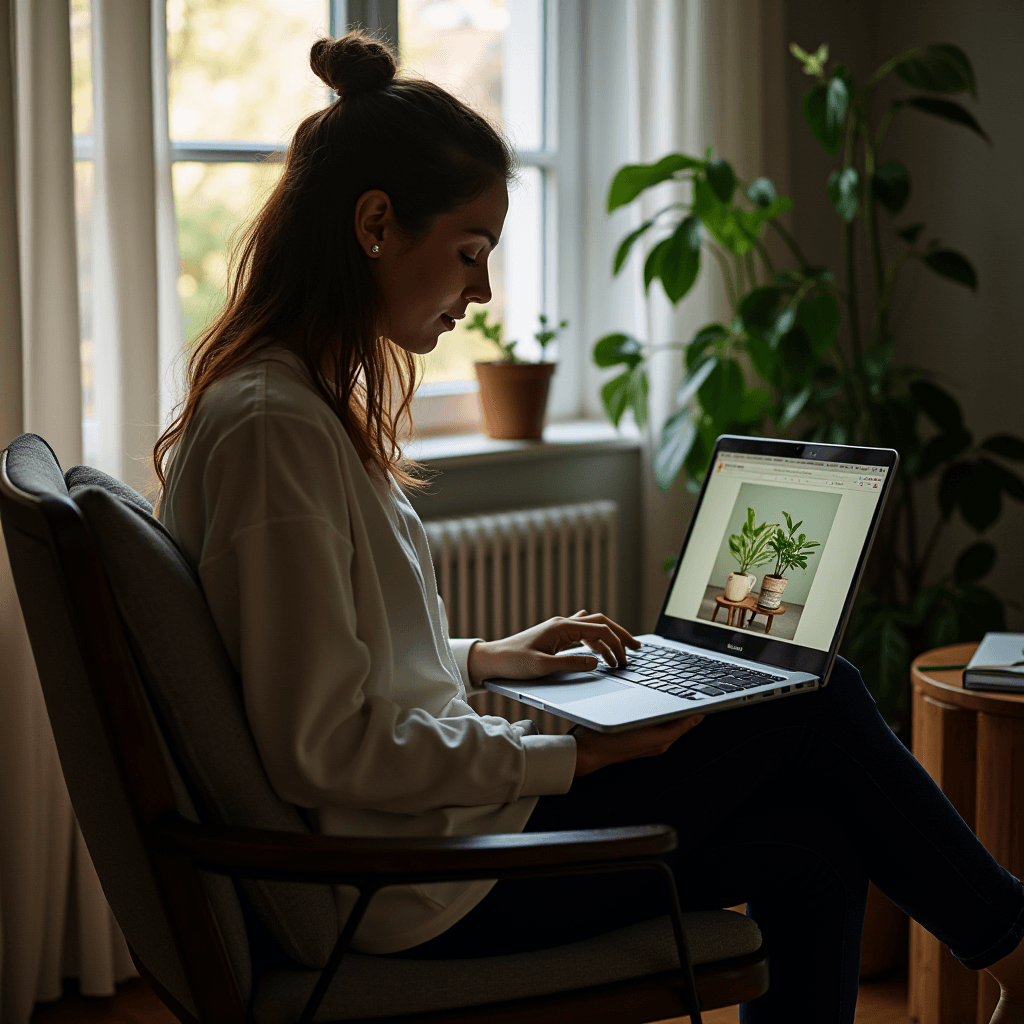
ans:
(300, 277)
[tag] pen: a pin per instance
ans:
(940, 668)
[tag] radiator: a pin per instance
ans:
(505, 571)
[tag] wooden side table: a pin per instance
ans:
(972, 744)
(738, 611)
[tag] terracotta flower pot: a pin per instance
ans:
(771, 591)
(514, 397)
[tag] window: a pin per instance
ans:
(238, 85)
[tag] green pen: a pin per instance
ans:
(940, 668)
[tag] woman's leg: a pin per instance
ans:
(829, 752)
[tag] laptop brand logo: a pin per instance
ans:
(733, 647)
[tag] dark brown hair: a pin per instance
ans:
(300, 277)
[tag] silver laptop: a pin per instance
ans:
(726, 638)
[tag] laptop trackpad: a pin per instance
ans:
(570, 692)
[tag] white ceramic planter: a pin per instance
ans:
(738, 585)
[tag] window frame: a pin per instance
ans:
(453, 406)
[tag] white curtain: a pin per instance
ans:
(662, 76)
(54, 920)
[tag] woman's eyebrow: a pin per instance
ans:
(483, 232)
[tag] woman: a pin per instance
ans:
(283, 488)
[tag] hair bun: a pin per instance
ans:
(354, 63)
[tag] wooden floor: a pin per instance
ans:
(879, 1002)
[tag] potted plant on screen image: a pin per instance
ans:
(790, 551)
(750, 547)
(514, 391)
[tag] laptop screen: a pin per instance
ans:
(827, 506)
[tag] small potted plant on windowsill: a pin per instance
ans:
(513, 391)
(791, 551)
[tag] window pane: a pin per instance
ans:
(489, 53)
(83, 236)
(215, 202)
(81, 67)
(239, 69)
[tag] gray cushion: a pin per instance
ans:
(78, 477)
(368, 986)
(198, 699)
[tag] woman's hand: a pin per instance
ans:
(596, 750)
(535, 652)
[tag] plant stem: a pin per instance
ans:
(723, 262)
(872, 221)
(848, 253)
(765, 258)
(790, 243)
(751, 269)
(740, 290)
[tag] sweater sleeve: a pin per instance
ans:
(277, 569)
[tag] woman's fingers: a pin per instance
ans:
(599, 617)
(590, 632)
(602, 650)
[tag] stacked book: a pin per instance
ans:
(998, 664)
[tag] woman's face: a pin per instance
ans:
(427, 282)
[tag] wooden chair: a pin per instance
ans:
(224, 893)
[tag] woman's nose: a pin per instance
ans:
(480, 289)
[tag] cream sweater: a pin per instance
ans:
(321, 585)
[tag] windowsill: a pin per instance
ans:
(559, 439)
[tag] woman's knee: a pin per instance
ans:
(846, 684)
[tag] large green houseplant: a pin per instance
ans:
(776, 366)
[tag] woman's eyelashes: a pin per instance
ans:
(468, 260)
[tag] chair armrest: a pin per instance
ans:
(258, 853)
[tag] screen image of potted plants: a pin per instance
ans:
(812, 352)
(790, 551)
(750, 547)
(514, 391)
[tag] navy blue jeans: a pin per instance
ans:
(790, 807)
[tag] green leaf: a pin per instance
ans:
(632, 179)
(767, 361)
(975, 562)
(938, 68)
(680, 263)
(952, 265)
(721, 178)
(627, 391)
(677, 438)
(948, 110)
(694, 378)
(844, 192)
(891, 185)
(757, 308)
(938, 405)
(910, 232)
(613, 349)
(752, 406)
(722, 393)
(762, 192)
(825, 112)
(719, 219)
(819, 317)
(781, 325)
(627, 243)
(652, 267)
(702, 340)
(696, 463)
(793, 406)
(876, 362)
(1006, 445)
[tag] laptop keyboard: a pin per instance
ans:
(687, 675)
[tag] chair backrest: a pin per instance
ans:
(147, 716)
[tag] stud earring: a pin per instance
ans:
(375, 249)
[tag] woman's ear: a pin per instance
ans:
(374, 221)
